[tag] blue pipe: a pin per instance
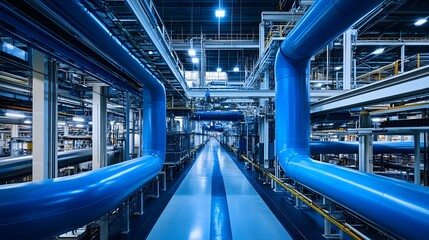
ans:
(218, 115)
(334, 147)
(400, 208)
(43, 209)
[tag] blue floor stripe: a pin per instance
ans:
(220, 225)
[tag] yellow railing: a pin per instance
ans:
(347, 229)
(393, 68)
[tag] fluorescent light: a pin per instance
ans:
(78, 119)
(191, 52)
(15, 115)
(378, 51)
(90, 123)
(27, 121)
(220, 13)
(236, 69)
(150, 52)
(420, 21)
(218, 69)
(79, 125)
(112, 122)
(377, 119)
(61, 123)
(338, 67)
(195, 60)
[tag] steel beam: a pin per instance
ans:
(281, 16)
(153, 31)
(235, 93)
(390, 43)
(410, 84)
(217, 45)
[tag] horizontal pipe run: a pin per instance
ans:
(14, 167)
(352, 147)
(218, 115)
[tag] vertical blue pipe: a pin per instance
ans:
(43, 209)
(401, 208)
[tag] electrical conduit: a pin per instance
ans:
(401, 208)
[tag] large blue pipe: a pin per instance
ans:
(346, 147)
(400, 208)
(218, 115)
(43, 209)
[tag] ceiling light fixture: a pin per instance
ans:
(78, 119)
(79, 125)
(220, 13)
(195, 60)
(236, 69)
(191, 52)
(338, 68)
(378, 51)
(27, 121)
(218, 69)
(15, 115)
(421, 21)
(150, 52)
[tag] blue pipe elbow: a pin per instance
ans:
(44, 209)
(400, 208)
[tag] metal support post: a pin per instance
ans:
(298, 202)
(347, 59)
(426, 158)
(417, 158)
(327, 225)
(403, 58)
(163, 176)
(354, 73)
(141, 203)
(261, 38)
(103, 222)
(203, 63)
(127, 129)
(140, 132)
(99, 127)
(45, 99)
(365, 144)
(13, 146)
(132, 133)
(127, 217)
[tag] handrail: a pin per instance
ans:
(345, 228)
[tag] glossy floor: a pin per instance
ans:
(216, 201)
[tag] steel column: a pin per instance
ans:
(128, 118)
(347, 59)
(417, 158)
(261, 38)
(45, 97)
(99, 127)
(365, 144)
(403, 58)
